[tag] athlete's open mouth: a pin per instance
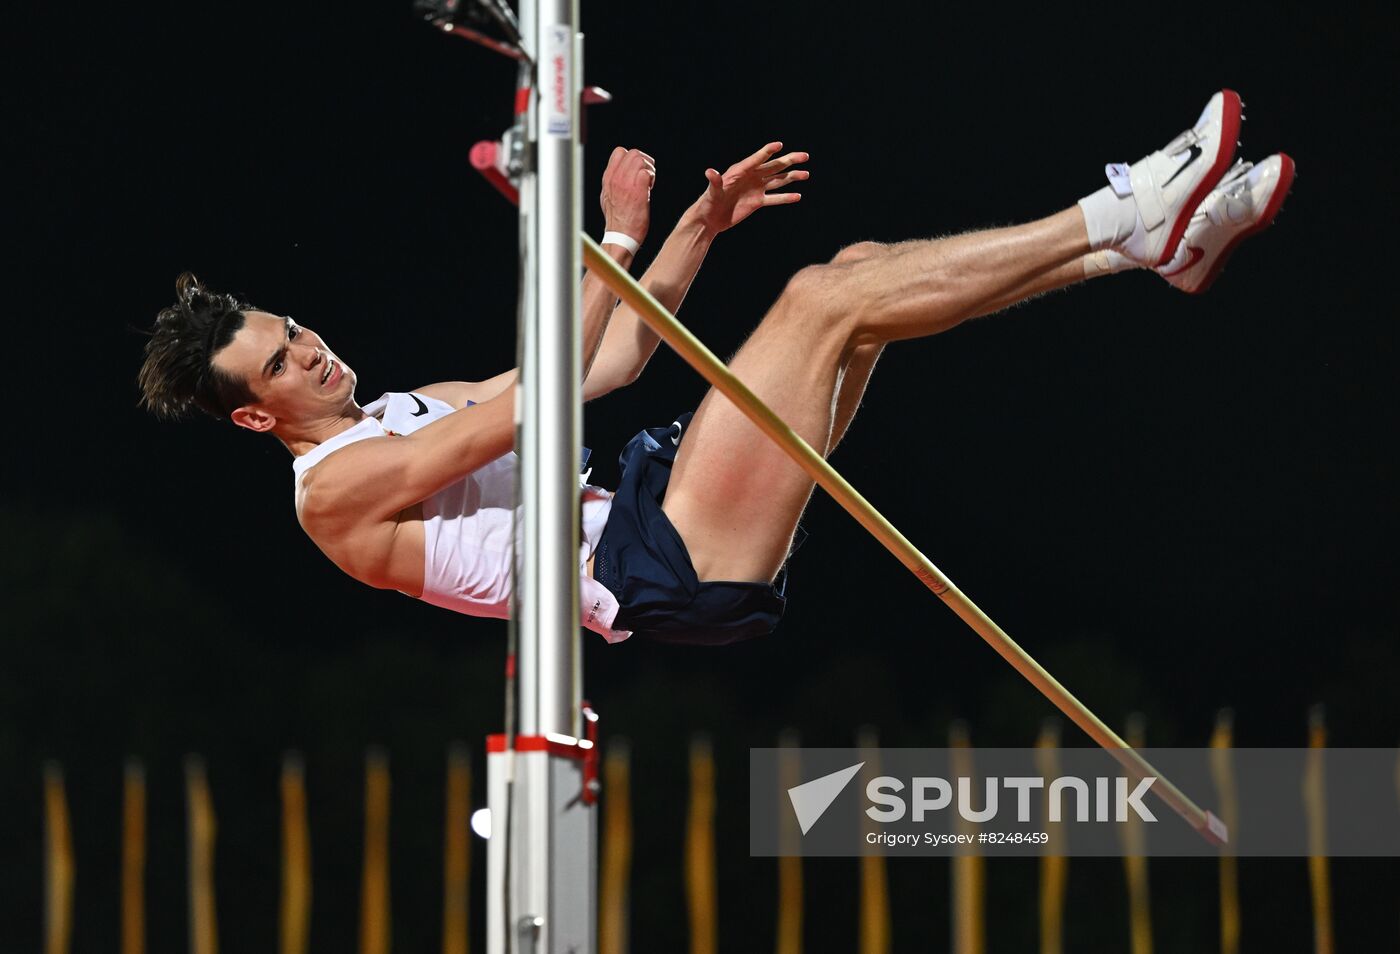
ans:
(326, 374)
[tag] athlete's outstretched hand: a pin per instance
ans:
(749, 185)
(626, 197)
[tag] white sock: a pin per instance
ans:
(1110, 214)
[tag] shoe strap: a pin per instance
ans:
(1119, 178)
(1149, 200)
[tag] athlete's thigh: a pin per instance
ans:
(734, 496)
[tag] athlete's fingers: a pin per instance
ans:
(783, 162)
(758, 157)
(782, 198)
(778, 181)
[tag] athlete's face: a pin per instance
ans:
(296, 377)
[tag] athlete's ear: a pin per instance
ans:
(253, 418)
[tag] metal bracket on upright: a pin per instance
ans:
(502, 162)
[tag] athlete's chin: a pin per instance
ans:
(345, 388)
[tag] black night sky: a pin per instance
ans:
(1176, 504)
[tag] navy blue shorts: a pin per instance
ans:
(643, 561)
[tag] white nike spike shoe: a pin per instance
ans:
(1244, 203)
(1169, 184)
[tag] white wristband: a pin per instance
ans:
(622, 239)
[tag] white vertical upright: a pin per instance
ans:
(552, 422)
(542, 863)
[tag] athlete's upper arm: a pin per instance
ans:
(373, 480)
(459, 393)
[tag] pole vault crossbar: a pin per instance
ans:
(703, 360)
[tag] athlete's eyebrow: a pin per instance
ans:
(287, 331)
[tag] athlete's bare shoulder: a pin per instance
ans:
(323, 489)
(348, 521)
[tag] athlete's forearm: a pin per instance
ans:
(628, 342)
(597, 304)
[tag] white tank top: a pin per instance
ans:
(467, 525)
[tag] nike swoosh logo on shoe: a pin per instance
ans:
(1193, 256)
(1195, 154)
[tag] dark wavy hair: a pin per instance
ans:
(178, 373)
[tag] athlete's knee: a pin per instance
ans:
(858, 252)
(817, 303)
(806, 290)
(817, 282)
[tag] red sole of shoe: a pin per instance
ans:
(1229, 139)
(1285, 182)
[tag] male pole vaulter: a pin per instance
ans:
(415, 491)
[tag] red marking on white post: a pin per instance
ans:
(559, 118)
(564, 746)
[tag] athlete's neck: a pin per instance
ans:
(307, 434)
